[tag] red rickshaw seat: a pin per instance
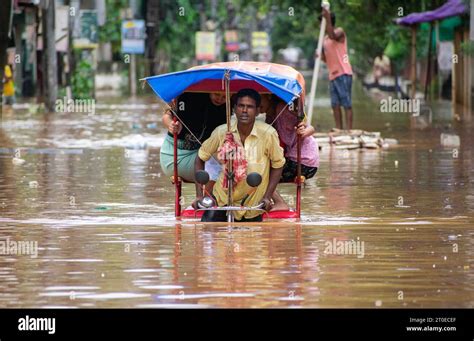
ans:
(283, 214)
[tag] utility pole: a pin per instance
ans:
(50, 64)
(73, 9)
(471, 41)
(152, 32)
(133, 74)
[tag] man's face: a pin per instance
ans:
(246, 110)
(264, 103)
(217, 98)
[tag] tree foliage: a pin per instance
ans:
(111, 31)
(368, 23)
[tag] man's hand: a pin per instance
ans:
(304, 130)
(316, 55)
(175, 127)
(326, 14)
(267, 204)
(195, 202)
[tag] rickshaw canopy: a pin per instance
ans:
(280, 80)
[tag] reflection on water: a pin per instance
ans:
(92, 195)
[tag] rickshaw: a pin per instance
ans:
(265, 78)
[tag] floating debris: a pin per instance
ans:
(17, 161)
(450, 140)
(390, 141)
(33, 184)
(353, 139)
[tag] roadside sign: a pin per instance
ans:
(205, 46)
(260, 43)
(133, 36)
(86, 34)
(231, 41)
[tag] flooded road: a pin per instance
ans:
(91, 194)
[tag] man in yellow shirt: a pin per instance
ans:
(262, 152)
(8, 86)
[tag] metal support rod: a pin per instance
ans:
(176, 179)
(298, 167)
(230, 158)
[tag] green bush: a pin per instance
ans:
(83, 80)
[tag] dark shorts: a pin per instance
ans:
(290, 170)
(220, 216)
(8, 100)
(341, 91)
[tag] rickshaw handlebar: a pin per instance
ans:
(231, 208)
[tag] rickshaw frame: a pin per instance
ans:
(298, 100)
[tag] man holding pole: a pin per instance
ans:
(340, 71)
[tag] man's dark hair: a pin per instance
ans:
(333, 18)
(248, 93)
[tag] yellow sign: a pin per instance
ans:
(260, 42)
(205, 46)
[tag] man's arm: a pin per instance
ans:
(173, 127)
(208, 148)
(305, 130)
(275, 175)
(323, 56)
(277, 160)
(333, 33)
(198, 165)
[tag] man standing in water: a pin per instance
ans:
(340, 71)
(8, 86)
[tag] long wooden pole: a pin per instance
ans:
(317, 65)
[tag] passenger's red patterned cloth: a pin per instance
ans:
(232, 150)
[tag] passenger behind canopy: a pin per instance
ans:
(285, 121)
(201, 113)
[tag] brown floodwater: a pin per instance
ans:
(91, 195)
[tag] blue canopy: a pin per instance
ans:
(280, 80)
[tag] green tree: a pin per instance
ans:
(368, 23)
(111, 31)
